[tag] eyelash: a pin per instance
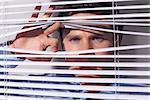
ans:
(97, 38)
(74, 38)
(92, 38)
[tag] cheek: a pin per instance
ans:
(104, 44)
(72, 47)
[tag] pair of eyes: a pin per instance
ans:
(92, 38)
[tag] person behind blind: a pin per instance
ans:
(71, 40)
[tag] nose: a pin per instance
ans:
(86, 45)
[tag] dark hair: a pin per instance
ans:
(87, 5)
(91, 5)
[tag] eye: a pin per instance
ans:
(97, 38)
(75, 39)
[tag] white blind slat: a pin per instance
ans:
(110, 23)
(81, 17)
(75, 87)
(81, 9)
(61, 3)
(73, 56)
(77, 95)
(82, 23)
(70, 79)
(76, 52)
(76, 21)
(89, 72)
(87, 64)
(19, 31)
(74, 26)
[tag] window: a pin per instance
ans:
(74, 50)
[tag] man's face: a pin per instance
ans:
(87, 39)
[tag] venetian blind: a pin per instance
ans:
(121, 75)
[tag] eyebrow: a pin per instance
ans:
(96, 34)
(76, 35)
(72, 35)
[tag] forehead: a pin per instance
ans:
(83, 14)
(86, 19)
(80, 30)
(79, 14)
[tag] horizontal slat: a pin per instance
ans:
(1, 1)
(72, 79)
(82, 23)
(6, 56)
(76, 52)
(109, 20)
(82, 27)
(9, 26)
(6, 97)
(78, 95)
(87, 72)
(20, 31)
(81, 9)
(80, 17)
(61, 3)
(111, 23)
(49, 93)
(128, 20)
(87, 64)
(76, 21)
(75, 87)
